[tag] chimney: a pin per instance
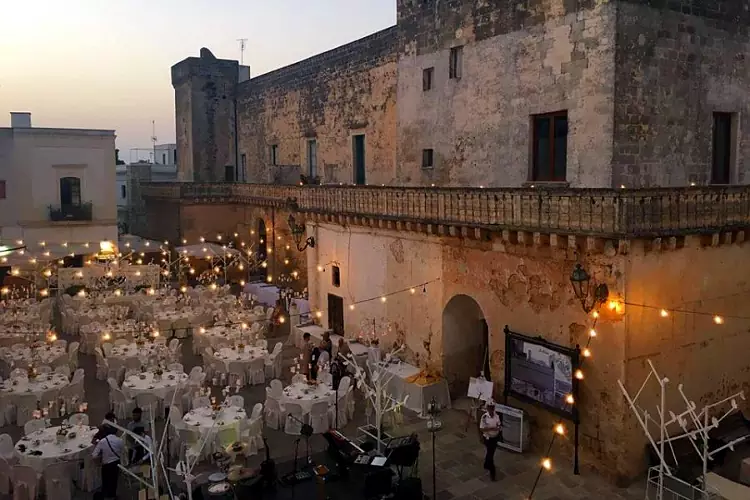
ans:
(20, 120)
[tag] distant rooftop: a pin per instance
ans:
(20, 122)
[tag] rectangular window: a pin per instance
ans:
(427, 158)
(70, 191)
(243, 163)
(721, 170)
(175, 157)
(312, 158)
(550, 147)
(456, 60)
(123, 191)
(274, 154)
(164, 158)
(228, 173)
(336, 276)
(427, 78)
(2, 190)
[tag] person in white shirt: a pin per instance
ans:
(109, 449)
(491, 427)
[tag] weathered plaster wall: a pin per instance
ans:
(329, 97)
(690, 349)
(525, 287)
(673, 70)
(517, 61)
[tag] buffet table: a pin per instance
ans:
(419, 395)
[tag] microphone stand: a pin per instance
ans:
(294, 473)
(306, 431)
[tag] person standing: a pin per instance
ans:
(307, 354)
(109, 449)
(491, 427)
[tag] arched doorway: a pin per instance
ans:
(465, 342)
(262, 246)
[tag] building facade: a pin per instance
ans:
(496, 145)
(57, 185)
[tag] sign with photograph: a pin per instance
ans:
(540, 372)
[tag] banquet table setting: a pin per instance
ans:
(151, 382)
(54, 444)
(46, 354)
(305, 395)
(37, 385)
(204, 418)
(145, 351)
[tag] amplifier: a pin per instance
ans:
(403, 451)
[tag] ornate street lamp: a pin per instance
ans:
(581, 282)
(299, 232)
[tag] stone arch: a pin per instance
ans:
(465, 343)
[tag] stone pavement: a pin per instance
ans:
(459, 454)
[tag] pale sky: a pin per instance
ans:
(105, 63)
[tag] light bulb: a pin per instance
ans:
(579, 374)
(118, 293)
(288, 247)
(183, 289)
(351, 307)
(664, 313)
(286, 261)
(319, 314)
(281, 319)
(612, 305)
(592, 333)
(264, 264)
(413, 291)
(242, 282)
(269, 279)
(202, 330)
(587, 353)
(718, 320)
(560, 429)
(44, 292)
(320, 268)
(569, 399)
(547, 463)
(383, 299)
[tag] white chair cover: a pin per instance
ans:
(272, 412)
(319, 417)
(292, 425)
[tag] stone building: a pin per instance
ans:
(512, 141)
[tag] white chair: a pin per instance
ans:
(43, 370)
(262, 343)
(292, 425)
(107, 349)
(78, 375)
(7, 452)
(272, 411)
(63, 370)
(175, 350)
(150, 404)
(257, 371)
(121, 342)
(121, 405)
(277, 388)
(254, 432)
(299, 378)
(24, 483)
(73, 354)
(25, 408)
(237, 400)
(195, 371)
(60, 343)
(6, 471)
(176, 367)
(79, 419)
(102, 365)
(201, 402)
(237, 374)
(319, 417)
(33, 426)
(58, 484)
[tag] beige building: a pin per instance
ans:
(497, 145)
(56, 185)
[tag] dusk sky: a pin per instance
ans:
(105, 63)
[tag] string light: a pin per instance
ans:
(269, 278)
(412, 291)
(612, 305)
(319, 314)
(281, 319)
(592, 333)
(663, 313)
(547, 463)
(320, 268)
(351, 307)
(383, 298)
(560, 429)
(587, 353)
(579, 374)
(569, 399)
(718, 320)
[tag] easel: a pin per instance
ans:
(477, 403)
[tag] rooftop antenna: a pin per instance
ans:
(242, 50)
(153, 137)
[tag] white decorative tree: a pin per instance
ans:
(375, 388)
(694, 425)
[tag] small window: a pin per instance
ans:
(70, 191)
(456, 60)
(427, 78)
(427, 158)
(2, 190)
(243, 163)
(336, 277)
(123, 192)
(312, 158)
(550, 147)
(164, 158)
(175, 157)
(228, 173)
(721, 170)
(274, 154)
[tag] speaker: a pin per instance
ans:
(409, 489)
(378, 482)
(403, 451)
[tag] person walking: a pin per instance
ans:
(109, 449)
(490, 426)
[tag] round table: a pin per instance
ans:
(132, 350)
(305, 395)
(45, 355)
(247, 353)
(52, 451)
(203, 418)
(37, 385)
(147, 382)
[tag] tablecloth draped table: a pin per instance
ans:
(305, 395)
(44, 355)
(145, 352)
(149, 383)
(67, 449)
(419, 395)
(267, 294)
(246, 355)
(204, 421)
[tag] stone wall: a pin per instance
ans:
(329, 97)
(528, 288)
(516, 63)
(205, 89)
(676, 65)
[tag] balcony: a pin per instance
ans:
(71, 213)
(612, 213)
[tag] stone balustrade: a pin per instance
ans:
(614, 213)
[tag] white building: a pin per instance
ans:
(128, 176)
(56, 185)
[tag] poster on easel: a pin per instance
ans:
(480, 388)
(515, 433)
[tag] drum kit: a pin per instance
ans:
(236, 480)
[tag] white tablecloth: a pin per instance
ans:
(202, 419)
(245, 355)
(38, 385)
(305, 395)
(267, 294)
(419, 396)
(68, 449)
(135, 385)
(44, 355)
(316, 334)
(148, 350)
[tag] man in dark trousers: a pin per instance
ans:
(491, 426)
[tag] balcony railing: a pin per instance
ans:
(82, 212)
(596, 212)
